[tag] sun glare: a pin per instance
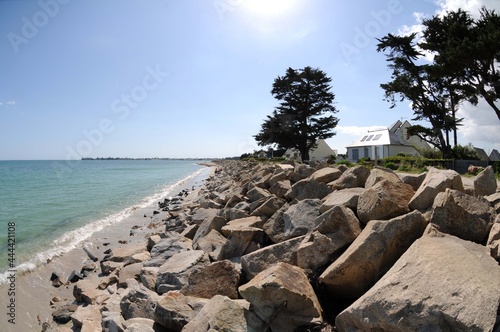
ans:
(268, 8)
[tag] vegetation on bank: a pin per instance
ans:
(401, 163)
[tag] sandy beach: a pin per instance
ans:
(36, 298)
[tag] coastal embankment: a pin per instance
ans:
(287, 247)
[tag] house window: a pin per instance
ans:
(377, 137)
(369, 138)
(355, 154)
(364, 138)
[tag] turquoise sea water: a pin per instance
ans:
(55, 205)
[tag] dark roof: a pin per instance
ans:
(482, 154)
(495, 155)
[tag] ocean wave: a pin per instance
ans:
(73, 239)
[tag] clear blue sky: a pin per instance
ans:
(191, 78)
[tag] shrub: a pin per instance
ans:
(404, 168)
(344, 162)
(331, 159)
(431, 154)
(464, 152)
(391, 165)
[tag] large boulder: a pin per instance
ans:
(218, 278)
(372, 253)
(378, 174)
(308, 188)
(494, 240)
(167, 247)
(122, 254)
(435, 181)
(384, 200)
(277, 176)
(441, 283)
(257, 193)
(131, 271)
(274, 227)
(138, 301)
(353, 177)
(223, 314)
(213, 222)
(326, 175)
(330, 232)
(242, 223)
(300, 172)
(147, 277)
(414, 180)
(174, 310)
(202, 214)
(462, 215)
(283, 297)
(485, 183)
(340, 224)
(89, 315)
(174, 273)
(86, 291)
(269, 207)
(259, 260)
(243, 236)
(300, 218)
(212, 244)
(494, 201)
(280, 188)
(347, 197)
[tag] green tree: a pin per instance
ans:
(424, 86)
(305, 112)
(469, 50)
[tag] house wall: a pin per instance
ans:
(393, 150)
(322, 151)
(372, 152)
(379, 151)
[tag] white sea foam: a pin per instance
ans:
(73, 239)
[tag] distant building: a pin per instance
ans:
(495, 155)
(387, 142)
(321, 152)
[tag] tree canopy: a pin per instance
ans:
(465, 54)
(305, 112)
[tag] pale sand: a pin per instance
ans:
(34, 290)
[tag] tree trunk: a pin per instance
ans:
(455, 139)
(304, 153)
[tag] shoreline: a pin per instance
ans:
(225, 250)
(36, 285)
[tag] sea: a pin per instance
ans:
(48, 208)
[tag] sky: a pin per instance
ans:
(192, 78)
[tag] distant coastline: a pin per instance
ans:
(154, 158)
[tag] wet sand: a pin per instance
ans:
(34, 290)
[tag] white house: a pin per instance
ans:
(321, 152)
(388, 142)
